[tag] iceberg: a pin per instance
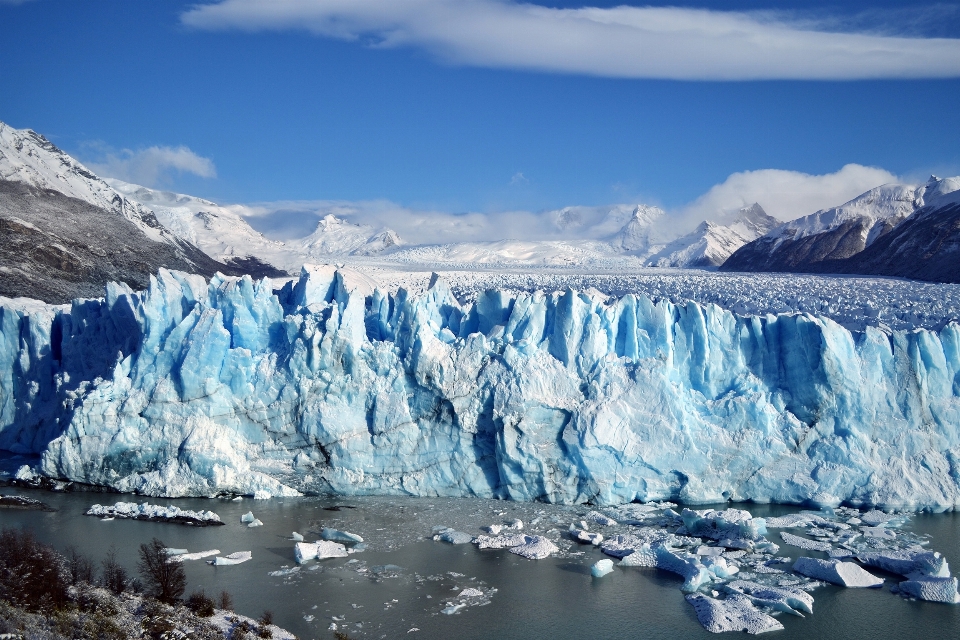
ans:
(304, 551)
(534, 548)
(907, 562)
(845, 574)
(233, 558)
(234, 387)
(934, 589)
(601, 568)
(453, 536)
(339, 536)
(735, 613)
(198, 555)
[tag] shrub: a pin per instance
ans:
(32, 575)
(200, 604)
(115, 576)
(166, 581)
(226, 600)
(81, 567)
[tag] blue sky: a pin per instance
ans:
(365, 101)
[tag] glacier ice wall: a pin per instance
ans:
(193, 388)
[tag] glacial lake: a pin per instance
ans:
(545, 599)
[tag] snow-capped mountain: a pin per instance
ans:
(812, 242)
(66, 232)
(710, 244)
(638, 235)
(336, 237)
(219, 231)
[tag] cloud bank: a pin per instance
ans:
(783, 194)
(620, 42)
(151, 165)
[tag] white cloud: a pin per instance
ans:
(519, 178)
(783, 194)
(623, 42)
(150, 166)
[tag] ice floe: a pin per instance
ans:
(534, 548)
(845, 574)
(155, 513)
(601, 568)
(233, 558)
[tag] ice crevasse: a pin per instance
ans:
(195, 388)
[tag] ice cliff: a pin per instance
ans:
(195, 388)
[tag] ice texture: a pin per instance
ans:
(534, 548)
(304, 551)
(339, 536)
(845, 574)
(197, 388)
(233, 558)
(601, 568)
(931, 588)
(145, 511)
(735, 613)
(906, 562)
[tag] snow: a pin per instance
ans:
(601, 568)
(804, 543)
(845, 574)
(233, 558)
(336, 237)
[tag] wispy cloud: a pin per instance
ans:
(783, 194)
(623, 42)
(519, 178)
(150, 166)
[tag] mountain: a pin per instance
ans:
(219, 231)
(336, 237)
(925, 246)
(638, 234)
(815, 242)
(710, 244)
(66, 232)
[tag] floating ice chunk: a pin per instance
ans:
(296, 537)
(907, 561)
(582, 535)
(255, 523)
(453, 608)
(719, 567)
(233, 558)
(643, 556)
(339, 536)
(695, 575)
(787, 599)
(170, 551)
(155, 513)
(932, 588)
(304, 551)
(599, 518)
(736, 613)
(601, 568)
(247, 518)
(515, 524)
(502, 541)
(704, 550)
(199, 555)
(804, 543)
(494, 529)
(534, 548)
(284, 572)
(470, 593)
(875, 518)
(453, 537)
(730, 523)
(878, 532)
(845, 574)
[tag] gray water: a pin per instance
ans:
(551, 598)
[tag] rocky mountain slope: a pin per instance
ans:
(66, 232)
(841, 239)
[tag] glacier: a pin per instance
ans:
(330, 385)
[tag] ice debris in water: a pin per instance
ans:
(296, 537)
(453, 536)
(286, 571)
(582, 535)
(804, 543)
(599, 518)
(601, 568)
(932, 588)
(534, 548)
(735, 613)
(339, 536)
(233, 558)
(845, 574)
(171, 551)
(154, 512)
(247, 518)
(199, 555)
(502, 541)
(255, 523)
(304, 551)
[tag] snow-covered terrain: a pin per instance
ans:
(337, 237)
(221, 232)
(191, 388)
(710, 244)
